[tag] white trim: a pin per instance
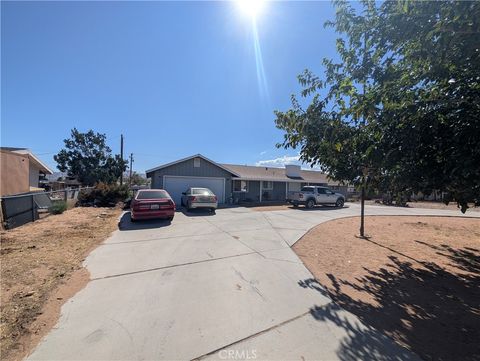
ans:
(188, 158)
(261, 184)
(34, 158)
(186, 176)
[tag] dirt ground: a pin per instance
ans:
(431, 205)
(415, 279)
(41, 268)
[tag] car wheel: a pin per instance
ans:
(212, 210)
(295, 205)
(170, 219)
(340, 202)
(310, 204)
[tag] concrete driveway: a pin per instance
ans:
(223, 286)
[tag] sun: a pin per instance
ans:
(251, 8)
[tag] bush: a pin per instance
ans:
(103, 195)
(58, 207)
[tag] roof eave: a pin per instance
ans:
(188, 158)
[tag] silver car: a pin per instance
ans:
(199, 198)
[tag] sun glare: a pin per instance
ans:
(251, 8)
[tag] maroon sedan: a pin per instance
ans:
(152, 203)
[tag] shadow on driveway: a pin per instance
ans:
(126, 224)
(196, 212)
(318, 208)
(433, 310)
(362, 343)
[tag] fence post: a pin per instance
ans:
(2, 226)
(33, 208)
(65, 195)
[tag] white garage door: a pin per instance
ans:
(176, 185)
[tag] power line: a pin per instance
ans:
(121, 156)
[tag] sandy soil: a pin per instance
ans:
(416, 279)
(430, 205)
(41, 268)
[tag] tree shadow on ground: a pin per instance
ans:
(318, 208)
(433, 311)
(361, 341)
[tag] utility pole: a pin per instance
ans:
(121, 157)
(131, 165)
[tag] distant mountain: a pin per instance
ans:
(55, 176)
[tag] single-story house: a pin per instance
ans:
(235, 183)
(21, 171)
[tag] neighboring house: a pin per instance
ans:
(21, 171)
(235, 183)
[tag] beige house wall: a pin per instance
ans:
(14, 173)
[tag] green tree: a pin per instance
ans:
(137, 179)
(403, 103)
(87, 157)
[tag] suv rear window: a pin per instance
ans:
(152, 194)
(307, 189)
(202, 191)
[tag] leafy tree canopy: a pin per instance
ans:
(403, 103)
(87, 157)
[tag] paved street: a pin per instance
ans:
(223, 286)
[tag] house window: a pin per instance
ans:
(240, 186)
(267, 185)
(196, 162)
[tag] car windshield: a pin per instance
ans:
(202, 191)
(307, 189)
(152, 194)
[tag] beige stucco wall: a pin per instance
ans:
(14, 175)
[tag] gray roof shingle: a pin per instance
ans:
(278, 174)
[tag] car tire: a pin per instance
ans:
(310, 203)
(212, 210)
(170, 219)
(339, 203)
(295, 205)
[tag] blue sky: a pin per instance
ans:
(176, 78)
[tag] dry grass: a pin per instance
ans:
(416, 279)
(37, 260)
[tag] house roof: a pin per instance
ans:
(249, 172)
(188, 158)
(33, 159)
